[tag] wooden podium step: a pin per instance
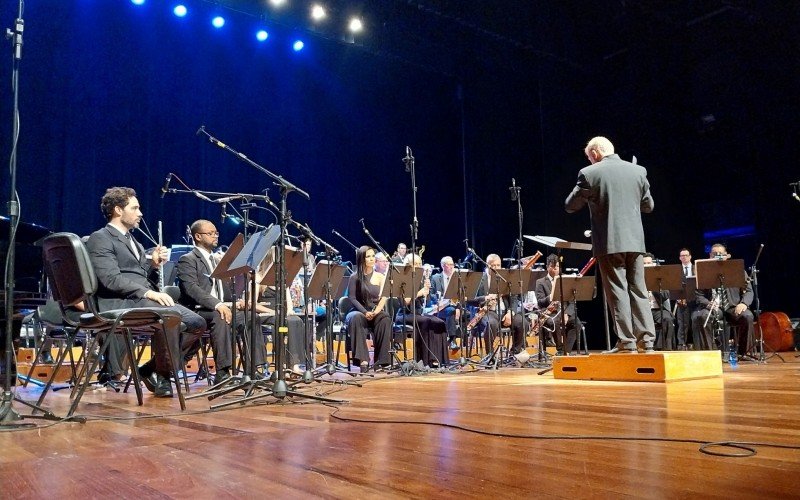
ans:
(665, 366)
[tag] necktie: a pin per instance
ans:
(216, 290)
(132, 243)
(686, 270)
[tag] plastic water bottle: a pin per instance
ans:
(733, 359)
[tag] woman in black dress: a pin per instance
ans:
(364, 291)
(431, 334)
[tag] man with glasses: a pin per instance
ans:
(684, 310)
(450, 313)
(204, 294)
(381, 263)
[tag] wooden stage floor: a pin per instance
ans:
(531, 437)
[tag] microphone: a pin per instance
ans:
(363, 227)
(588, 233)
(165, 189)
(228, 198)
(407, 160)
(794, 195)
(202, 196)
(513, 189)
(201, 130)
(224, 214)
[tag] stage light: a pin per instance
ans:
(318, 12)
(298, 45)
(277, 3)
(218, 22)
(262, 35)
(180, 10)
(355, 25)
(137, 2)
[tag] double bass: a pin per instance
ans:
(777, 331)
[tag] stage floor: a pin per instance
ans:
(532, 436)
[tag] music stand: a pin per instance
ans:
(536, 275)
(246, 261)
(577, 288)
(560, 244)
(660, 279)
(326, 278)
(399, 283)
(465, 284)
(717, 273)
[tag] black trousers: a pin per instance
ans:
(359, 327)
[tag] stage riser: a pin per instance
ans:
(654, 367)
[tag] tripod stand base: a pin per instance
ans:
(636, 367)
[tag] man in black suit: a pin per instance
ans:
(544, 287)
(617, 192)
(487, 296)
(683, 312)
(205, 295)
(450, 314)
(733, 302)
(127, 279)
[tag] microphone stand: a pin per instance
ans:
(761, 356)
(409, 164)
(515, 196)
(10, 418)
(279, 388)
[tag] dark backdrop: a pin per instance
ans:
(111, 94)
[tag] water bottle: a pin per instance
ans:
(733, 359)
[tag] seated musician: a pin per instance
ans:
(205, 295)
(364, 291)
(734, 303)
(126, 278)
(662, 313)
(430, 338)
(544, 286)
(445, 308)
(399, 255)
(493, 309)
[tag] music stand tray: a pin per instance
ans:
(554, 242)
(687, 290)
(713, 273)
(319, 280)
(223, 269)
(398, 282)
(579, 288)
(294, 262)
(254, 251)
(669, 277)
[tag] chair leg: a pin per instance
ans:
(175, 367)
(59, 359)
(134, 376)
(88, 375)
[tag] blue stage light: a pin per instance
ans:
(137, 2)
(262, 35)
(180, 10)
(218, 22)
(298, 45)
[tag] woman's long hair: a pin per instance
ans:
(361, 260)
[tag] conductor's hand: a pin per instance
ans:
(160, 255)
(224, 312)
(162, 298)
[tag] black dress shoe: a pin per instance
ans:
(222, 375)
(164, 388)
(622, 350)
(150, 379)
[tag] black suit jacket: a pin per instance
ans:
(122, 278)
(195, 282)
(485, 289)
(543, 289)
(703, 297)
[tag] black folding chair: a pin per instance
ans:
(74, 284)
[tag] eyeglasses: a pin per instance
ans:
(212, 233)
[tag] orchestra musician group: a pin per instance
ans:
(616, 192)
